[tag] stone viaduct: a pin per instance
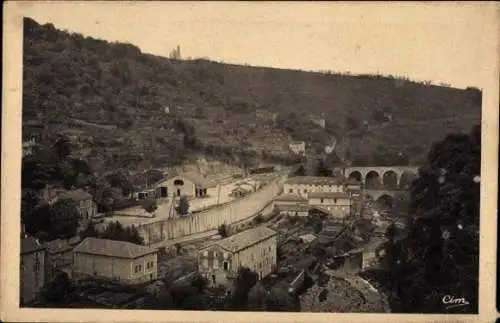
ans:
(383, 177)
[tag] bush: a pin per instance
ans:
(223, 230)
(149, 205)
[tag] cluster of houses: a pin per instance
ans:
(336, 196)
(131, 264)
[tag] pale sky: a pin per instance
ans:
(440, 42)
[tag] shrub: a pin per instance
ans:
(149, 205)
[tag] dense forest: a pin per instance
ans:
(125, 108)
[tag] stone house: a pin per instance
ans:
(188, 184)
(255, 249)
(58, 256)
(338, 204)
(32, 277)
(303, 185)
(125, 262)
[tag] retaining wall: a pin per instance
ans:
(230, 213)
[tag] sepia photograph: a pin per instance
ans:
(290, 157)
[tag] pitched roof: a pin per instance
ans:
(76, 195)
(316, 180)
(196, 178)
(30, 244)
(332, 230)
(56, 246)
(333, 195)
(308, 237)
(113, 248)
(246, 238)
(75, 240)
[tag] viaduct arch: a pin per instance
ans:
(383, 177)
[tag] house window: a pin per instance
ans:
(226, 265)
(321, 200)
(290, 190)
(335, 201)
(305, 190)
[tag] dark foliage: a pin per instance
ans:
(245, 280)
(112, 90)
(440, 254)
(50, 222)
(55, 291)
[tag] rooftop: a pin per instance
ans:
(246, 238)
(113, 248)
(30, 244)
(334, 195)
(316, 180)
(196, 178)
(308, 237)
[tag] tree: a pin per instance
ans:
(29, 201)
(223, 230)
(245, 280)
(183, 208)
(62, 147)
(115, 231)
(149, 205)
(440, 254)
(322, 169)
(89, 231)
(119, 180)
(58, 289)
(63, 219)
(257, 298)
(280, 300)
(301, 171)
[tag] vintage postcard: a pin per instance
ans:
(249, 161)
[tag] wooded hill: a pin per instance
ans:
(112, 101)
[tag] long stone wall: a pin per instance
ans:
(230, 213)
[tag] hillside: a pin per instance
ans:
(123, 108)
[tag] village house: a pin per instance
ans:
(85, 205)
(368, 255)
(32, 265)
(126, 262)
(299, 210)
(255, 249)
(298, 148)
(188, 184)
(58, 257)
(291, 205)
(303, 185)
(338, 204)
